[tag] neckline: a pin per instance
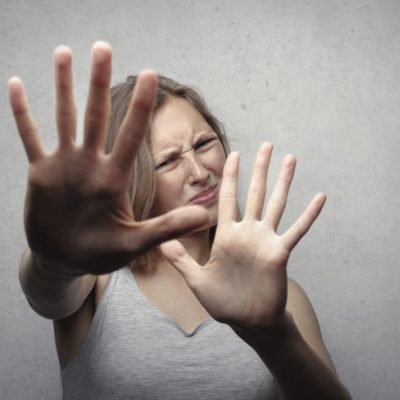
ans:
(161, 314)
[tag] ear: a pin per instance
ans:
(179, 258)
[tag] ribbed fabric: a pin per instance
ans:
(134, 351)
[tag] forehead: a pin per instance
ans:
(176, 123)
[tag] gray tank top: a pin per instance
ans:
(134, 351)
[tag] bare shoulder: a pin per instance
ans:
(70, 332)
(299, 305)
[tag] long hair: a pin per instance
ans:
(143, 185)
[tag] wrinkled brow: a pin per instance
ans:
(173, 152)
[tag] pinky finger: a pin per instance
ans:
(292, 236)
(25, 123)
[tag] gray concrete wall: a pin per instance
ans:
(319, 79)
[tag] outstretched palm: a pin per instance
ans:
(78, 215)
(244, 284)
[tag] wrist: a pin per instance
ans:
(272, 337)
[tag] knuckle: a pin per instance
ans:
(94, 113)
(99, 81)
(257, 191)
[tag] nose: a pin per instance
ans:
(198, 172)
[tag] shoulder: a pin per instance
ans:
(298, 302)
(302, 311)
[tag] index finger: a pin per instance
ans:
(227, 205)
(136, 122)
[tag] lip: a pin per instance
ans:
(205, 196)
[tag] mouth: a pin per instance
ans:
(206, 196)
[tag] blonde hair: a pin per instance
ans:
(143, 184)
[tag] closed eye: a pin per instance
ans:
(202, 145)
(166, 162)
(205, 142)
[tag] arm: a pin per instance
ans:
(245, 282)
(305, 318)
(52, 295)
(295, 353)
(78, 215)
(297, 368)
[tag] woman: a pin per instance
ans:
(244, 326)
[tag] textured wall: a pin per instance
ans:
(319, 79)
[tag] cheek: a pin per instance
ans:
(218, 161)
(167, 193)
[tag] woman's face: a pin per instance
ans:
(188, 157)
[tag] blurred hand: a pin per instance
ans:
(78, 215)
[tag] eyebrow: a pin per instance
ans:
(173, 153)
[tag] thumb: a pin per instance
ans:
(174, 224)
(179, 258)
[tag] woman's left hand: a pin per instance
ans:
(244, 284)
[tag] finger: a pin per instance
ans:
(171, 225)
(303, 224)
(257, 188)
(277, 202)
(227, 204)
(136, 122)
(98, 105)
(65, 105)
(25, 123)
(179, 258)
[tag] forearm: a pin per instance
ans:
(300, 373)
(50, 293)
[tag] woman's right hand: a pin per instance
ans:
(78, 215)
